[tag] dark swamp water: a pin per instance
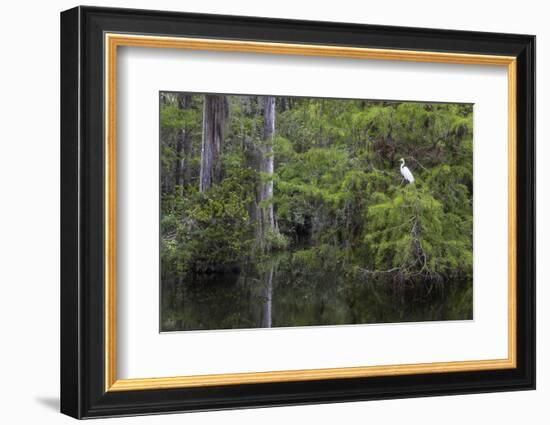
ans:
(270, 296)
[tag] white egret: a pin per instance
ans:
(406, 173)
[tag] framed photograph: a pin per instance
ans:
(261, 212)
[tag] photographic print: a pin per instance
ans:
(294, 211)
(311, 227)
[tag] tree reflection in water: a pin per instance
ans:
(268, 295)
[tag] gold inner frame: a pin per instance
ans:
(113, 41)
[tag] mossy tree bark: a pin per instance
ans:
(215, 114)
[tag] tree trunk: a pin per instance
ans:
(181, 166)
(266, 164)
(214, 118)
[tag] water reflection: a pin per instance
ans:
(271, 296)
(267, 302)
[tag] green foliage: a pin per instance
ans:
(338, 193)
(209, 231)
(410, 232)
(275, 241)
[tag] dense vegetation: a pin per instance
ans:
(245, 178)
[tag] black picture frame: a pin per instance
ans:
(83, 392)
